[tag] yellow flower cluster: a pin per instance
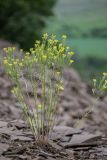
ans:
(59, 87)
(40, 106)
(101, 85)
(104, 74)
(49, 52)
(9, 60)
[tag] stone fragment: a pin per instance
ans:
(3, 148)
(84, 138)
(66, 131)
(3, 124)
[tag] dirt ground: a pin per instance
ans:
(77, 136)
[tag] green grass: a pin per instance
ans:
(89, 47)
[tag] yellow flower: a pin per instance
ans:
(12, 91)
(27, 53)
(39, 106)
(94, 80)
(50, 41)
(64, 36)
(17, 60)
(20, 64)
(13, 48)
(14, 62)
(105, 82)
(71, 61)
(60, 87)
(21, 50)
(64, 55)
(55, 48)
(44, 57)
(62, 49)
(71, 53)
(37, 42)
(67, 48)
(10, 64)
(58, 73)
(45, 36)
(56, 41)
(105, 74)
(33, 52)
(5, 49)
(5, 61)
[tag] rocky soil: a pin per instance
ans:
(79, 107)
(77, 136)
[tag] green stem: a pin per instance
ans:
(44, 88)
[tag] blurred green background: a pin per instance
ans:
(83, 21)
(22, 21)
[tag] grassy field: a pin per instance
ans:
(89, 47)
(76, 17)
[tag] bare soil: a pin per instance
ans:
(76, 137)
